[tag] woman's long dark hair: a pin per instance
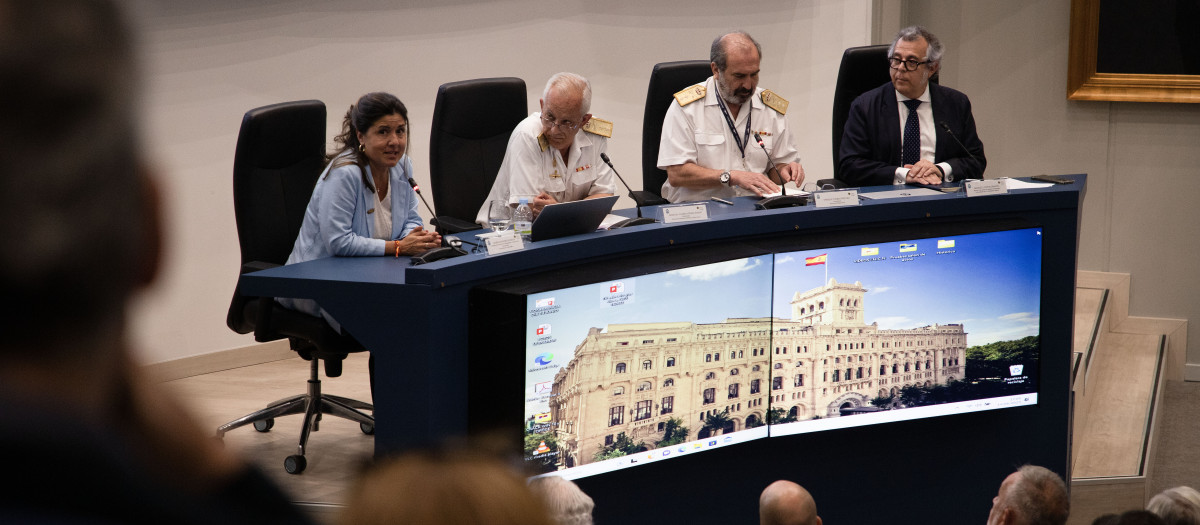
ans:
(359, 118)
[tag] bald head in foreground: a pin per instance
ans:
(1031, 495)
(786, 503)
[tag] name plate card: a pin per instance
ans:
(684, 213)
(977, 188)
(503, 243)
(831, 199)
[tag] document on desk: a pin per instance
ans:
(899, 194)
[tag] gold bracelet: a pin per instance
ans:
(397, 246)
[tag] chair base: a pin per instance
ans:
(312, 404)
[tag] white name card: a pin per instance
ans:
(976, 187)
(684, 213)
(503, 243)
(830, 199)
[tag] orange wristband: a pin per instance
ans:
(397, 246)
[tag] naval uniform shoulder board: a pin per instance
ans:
(774, 101)
(599, 126)
(691, 94)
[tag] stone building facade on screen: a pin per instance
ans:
(631, 378)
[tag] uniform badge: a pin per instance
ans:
(691, 94)
(599, 126)
(583, 167)
(774, 101)
(543, 142)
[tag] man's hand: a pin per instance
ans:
(923, 172)
(419, 240)
(756, 182)
(791, 172)
(542, 200)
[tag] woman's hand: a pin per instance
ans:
(417, 241)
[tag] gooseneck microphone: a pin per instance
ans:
(946, 127)
(441, 252)
(633, 221)
(783, 200)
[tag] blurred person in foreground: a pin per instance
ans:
(786, 503)
(1032, 495)
(442, 488)
(1177, 506)
(1130, 517)
(90, 438)
(567, 504)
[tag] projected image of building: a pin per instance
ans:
(629, 380)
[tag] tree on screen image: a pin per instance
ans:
(674, 433)
(716, 424)
(779, 415)
(621, 446)
(992, 361)
(541, 451)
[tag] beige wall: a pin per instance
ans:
(1142, 159)
(208, 62)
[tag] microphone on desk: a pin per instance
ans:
(441, 252)
(779, 201)
(946, 127)
(632, 221)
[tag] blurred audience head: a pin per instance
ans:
(567, 504)
(1177, 506)
(1032, 495)
(442, 488)
(786, 503)
(1131, 517)
(77, 215)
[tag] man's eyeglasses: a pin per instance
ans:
(562, 124)
(909, 65)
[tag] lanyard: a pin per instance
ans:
(741, 142)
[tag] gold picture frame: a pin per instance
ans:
(1084, 83)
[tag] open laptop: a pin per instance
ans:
(571, 218)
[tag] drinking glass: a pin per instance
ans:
(499, 215)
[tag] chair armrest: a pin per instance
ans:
(647, 198)
(448, 225)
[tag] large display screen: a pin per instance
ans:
(626, 372)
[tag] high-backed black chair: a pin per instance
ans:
(472, 121)
(280, 153)
(666, 79)
(863, 69)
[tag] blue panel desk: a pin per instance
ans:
(412, 317)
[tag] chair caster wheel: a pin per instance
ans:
(367, 428)
(264, 424)
(294, 464)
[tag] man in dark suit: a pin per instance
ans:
(909, 130)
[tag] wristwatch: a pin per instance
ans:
(725, 177)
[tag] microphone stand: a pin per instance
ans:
(779, 201)
(946, 127)
(433, 254)
(632, 221)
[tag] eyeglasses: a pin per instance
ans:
(562, 124)
(909, 65)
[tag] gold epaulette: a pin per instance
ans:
(599, 126)
(691, 94)
(774, 101)
(543, 142)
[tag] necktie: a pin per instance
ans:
(912, 134)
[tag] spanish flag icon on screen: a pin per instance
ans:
(815, 260)
(945, 243)
(908, 247)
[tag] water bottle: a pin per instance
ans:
(522, 219)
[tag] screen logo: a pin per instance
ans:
(543, 359)
(869, 251)
(544, 303)
(543, 417)
(617, 287)
(908, 247)
(545, 387)
(543, 329)
(945, 243)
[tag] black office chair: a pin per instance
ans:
(472, 121)
(666, 79)
(862, 69)
(280, 153)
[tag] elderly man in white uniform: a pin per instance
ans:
(708, 145)
(554, 155)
